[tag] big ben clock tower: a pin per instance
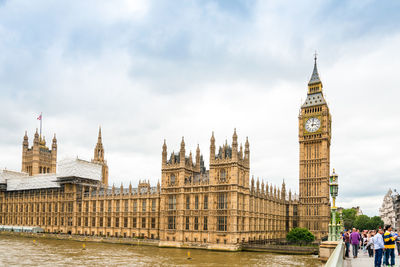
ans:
(314, 141)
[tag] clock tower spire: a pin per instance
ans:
(314, 142)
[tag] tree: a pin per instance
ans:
(375, 222)
(362, 222)
(300, 235)
(349, 216)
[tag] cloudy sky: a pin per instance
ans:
(149, 70)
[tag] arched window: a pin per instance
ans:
(222, 175)
(172, 179)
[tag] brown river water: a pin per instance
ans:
(23, 251)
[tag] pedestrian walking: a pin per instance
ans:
(355, 242)
(397, 243)
(370, 245)
(347, 242)
(379, 246)
(389, 240)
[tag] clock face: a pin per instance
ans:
(312, 125)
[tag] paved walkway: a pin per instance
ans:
(364, 261)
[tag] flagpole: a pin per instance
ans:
(41, 119)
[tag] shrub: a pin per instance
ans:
(300, 236)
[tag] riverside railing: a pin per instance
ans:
(337, 257)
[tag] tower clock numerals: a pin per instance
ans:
(312, 125)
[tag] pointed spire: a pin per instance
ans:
(99, 137)
(183, 142)
(234, 138)
(190, 158)
(164, 153)
(315, 76)
(25, 143)
(36, 139)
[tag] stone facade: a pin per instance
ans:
(220, 206)
(387, 211)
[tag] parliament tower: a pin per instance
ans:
(38, 158)
(314, 141)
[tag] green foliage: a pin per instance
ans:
(300, 236)
(375, 222)
(349, 216)
(363, 222)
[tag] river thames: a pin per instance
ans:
(23, 251)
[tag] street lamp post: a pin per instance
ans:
(334, 227)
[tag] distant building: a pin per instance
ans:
(387, 211)
(358, 210)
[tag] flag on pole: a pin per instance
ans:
(40, 117)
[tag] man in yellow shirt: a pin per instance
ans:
(390, 244)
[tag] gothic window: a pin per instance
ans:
(153, 205)
(143, 222)
(171, 222)
(205, 202)
(109, 205)
(134, 205)
(221, 223)
(196, 202)
(134, 223)
(172, 202)
(126, 205)
(205, 224)
(93, 221)
(222, 201)
(94, 206)
(117, 222)
(222, 175)
(187, 223)
(188, 202)
(144, 205)
(172, 179)
(153, 223)
(117, 206)
(125, 222)
(196, 223)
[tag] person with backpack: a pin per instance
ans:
(389, 240)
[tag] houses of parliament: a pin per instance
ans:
(217, 208)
